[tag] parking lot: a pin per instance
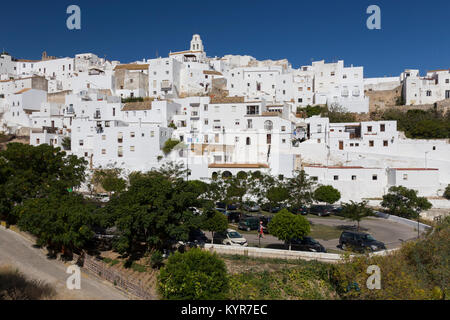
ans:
(389, 232)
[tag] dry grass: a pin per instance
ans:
(14, 285)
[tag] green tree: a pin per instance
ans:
(169, 145)
(447, 192)
(404, 202)
(194, 275)
(214, 221)
(153, 210)
(355, 211)
(327, 194)
(60, 222)
(66, 143)
(36, 172)
(287, 226)
(277, 195)
(300, 188)
(110, 180)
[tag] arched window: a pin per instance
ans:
(268, 125)
(249, 142)
(226, 175)
(241, 175)
(214, 176)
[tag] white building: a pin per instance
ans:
(434, 87)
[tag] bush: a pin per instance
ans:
(156, 259)
(194, 275)
(169, 145)
(327, 194)
(447, 192)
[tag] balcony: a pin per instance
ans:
(166, 85)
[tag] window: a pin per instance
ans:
(405, 177)
(119, 137)
(344, 76)
(429, 93)
(318, 140)
(114, 112)
(38, 141)
(283, 128)
(314, 178)
(249, 123)
(434, 148)
(252, 110)
(131, 148)
(152, 134)
(353, 178)
(120, 152)
(382, 127)
(237, 122)
(336, 178)
(269, 138)
(369, 129)
(283, 140)
(103, 137)
(371, 143)
(248, 141)
(132, 134)
(206, 122)
(103, 151)
(205, 107)
(81, 142)
(107, 124)
(385, 143)
(236, 139)
(374, 177)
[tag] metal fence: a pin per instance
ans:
(121, 281)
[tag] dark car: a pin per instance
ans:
(223, 205)
(307, 244)
(360, 241)
(299, 210)
(321, 210)
(251, 207)
(270, 209)
(197, 236)
(251, 223)
(337, 211)
(234, 216)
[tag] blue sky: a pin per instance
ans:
(414, 34)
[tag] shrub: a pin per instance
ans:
(156, 259)
(169, 145)
(447, 192)
(194, 275)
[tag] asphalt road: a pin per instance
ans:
(16, 251)
(390, 232)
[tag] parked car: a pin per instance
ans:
(321, 210)
(251, 207)
(222, 205)
(307, 244)
(197, 237)
(302, 210)
(195, 210)
(249, 223)
(102, 197)
(359, 241)
(221, 210)
(230, 237)
(337, 211)
(270, 209)
(234, 216)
